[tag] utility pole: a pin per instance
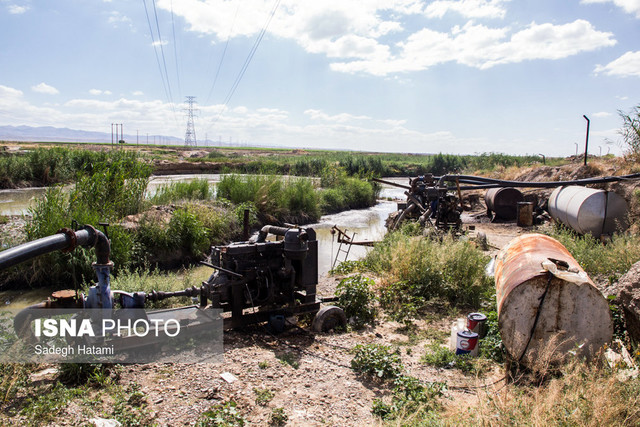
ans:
(586, 144)
(190, 134)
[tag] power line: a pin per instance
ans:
(175, 50)
(248, 60)
(164, 62)
(224, 52)
(163, 76)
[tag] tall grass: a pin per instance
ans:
(191, 230)
(276, 199)
(113, 189)
(416, 270)
(197, 189)
(47, 166)
(611, 259)
(584, 395)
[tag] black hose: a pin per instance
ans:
(531, 184)
(65, 240)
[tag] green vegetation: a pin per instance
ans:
(47, 166)
(366, 165)
(278, 417)
(441, 357)
(409, 394)
(197, 189)
(377, 361)
(416, 270)
(263, 396)
(610, 260)
(357, 299)
(411, 398)
(293, 200)
(221, 415)
(630, 130)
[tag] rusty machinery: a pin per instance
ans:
(253, 281)
(438, 198)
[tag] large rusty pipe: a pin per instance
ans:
(541, 311)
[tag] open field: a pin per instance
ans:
(390, 367)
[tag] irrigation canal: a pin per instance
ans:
(367, 224)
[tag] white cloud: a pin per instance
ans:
(467, 8)
(338, 118)
(99, 92)
(629, 6)
(116, 18)
(602, 114)
(628, 65)
(367, 36)
(138, 93)
(482, 47)
(15, 9)
(160, 43)
(45, 88)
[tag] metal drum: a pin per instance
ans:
(587, 210)
(572, 316)
(503, 201)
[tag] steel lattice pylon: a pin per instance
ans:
(190, 134)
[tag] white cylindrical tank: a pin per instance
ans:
(587, 210)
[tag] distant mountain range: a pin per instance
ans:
(53, 134)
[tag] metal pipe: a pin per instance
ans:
(65, 240)
(393, 184)
(542, 184)
(264, 231)
(586, 143)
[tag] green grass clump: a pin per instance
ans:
(197, 189)
(417, 270)
(223, 414)
(611, 259)
(357, 299)
(276, 199)
(377, 361)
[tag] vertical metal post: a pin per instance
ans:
(586, 144)
(111, 133)
(245, 223)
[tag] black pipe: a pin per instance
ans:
(65, 240)
(264, 231)
(543, 184)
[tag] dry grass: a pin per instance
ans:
(582, 395)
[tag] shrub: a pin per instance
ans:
(611, 259)
(376, 360)
(196, 189)
(222, 414)
(356, 298)
(418, 269)
(410, 396)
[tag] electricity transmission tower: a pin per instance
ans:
(190, 134)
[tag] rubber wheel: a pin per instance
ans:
(329, 318)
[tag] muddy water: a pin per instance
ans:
(362, 224)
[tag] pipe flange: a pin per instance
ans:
(73, 239)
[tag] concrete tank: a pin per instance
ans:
(503, 201)
(587, 210)
(573, 316)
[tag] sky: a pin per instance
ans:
(410, 76)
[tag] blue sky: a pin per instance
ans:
(451, 76)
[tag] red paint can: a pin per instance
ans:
(476, 323)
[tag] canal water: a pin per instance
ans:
(360, 224)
